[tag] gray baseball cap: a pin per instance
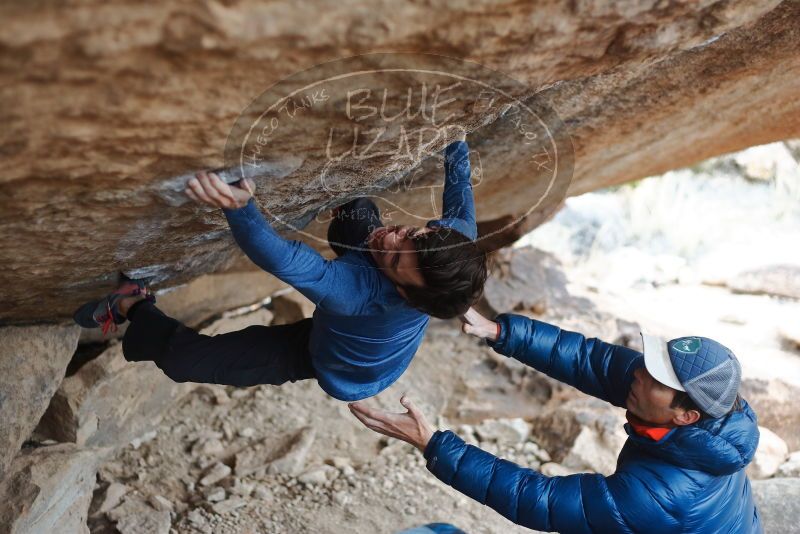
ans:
(706, 370)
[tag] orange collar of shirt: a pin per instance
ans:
(656, 433)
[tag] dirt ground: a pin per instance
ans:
(377, 485)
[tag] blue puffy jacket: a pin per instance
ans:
(692, 480)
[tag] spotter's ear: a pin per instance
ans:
(683, 418)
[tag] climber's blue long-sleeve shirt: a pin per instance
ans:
(364, 333)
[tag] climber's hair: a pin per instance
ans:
(454, 270)
(684, 402)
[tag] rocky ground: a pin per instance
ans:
(291, 459)
(123, 449)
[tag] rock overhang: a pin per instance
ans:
(103, 117)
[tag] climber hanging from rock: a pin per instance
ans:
(373, 301)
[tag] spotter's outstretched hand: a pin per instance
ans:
(411, 427)
(208, 188)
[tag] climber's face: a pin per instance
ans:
(393, 250)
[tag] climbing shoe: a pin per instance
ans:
(105, 313)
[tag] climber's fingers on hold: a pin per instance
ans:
(222, 189)
(248, 185)
(217, 190)
(196, 187)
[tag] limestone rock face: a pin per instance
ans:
(778, 502)
(32, 362)
(284, 454)
(135, 516)
(776, 280)
(108, 106)
(49, 490)
(771, 454)
(527, 279)
(110, 401)
(582, 434)
(775, 403)
(291, 307)
(259, 317)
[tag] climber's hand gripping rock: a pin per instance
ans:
(208, 188)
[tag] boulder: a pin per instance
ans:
(532, 282)
(775, 280)
(97, 116)
(113, 497)
(508, 431)
(291, 307)
(317, 475)
(582, 434)
(284, 454)
(214, 494)
(211, 295)
(160, 503)
(789, 333)
(775, 404)
(791, 467)
(110, 401)
(594, 450)
(33, 361)
(526, 279)
(228, 505)
(770, 455)
(231, 323)
(135, 516)
(778, 503)
(508, 229)
(217, 472)
(552, 469)
(497, 387)
(49, 490)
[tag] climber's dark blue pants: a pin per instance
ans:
(255, 355)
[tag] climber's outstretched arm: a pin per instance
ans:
(458, 205)
(322, 281)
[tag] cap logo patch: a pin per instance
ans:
(687, 345)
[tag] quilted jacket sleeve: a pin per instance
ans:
(575, 503)
(593, 366)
